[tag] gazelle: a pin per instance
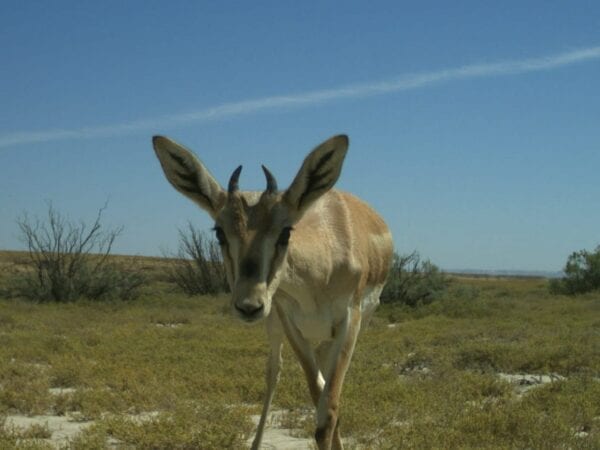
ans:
(310, 260)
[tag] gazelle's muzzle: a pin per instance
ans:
(249, 309)
(250, 302)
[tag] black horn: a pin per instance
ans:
(271, 181)
(234, 180)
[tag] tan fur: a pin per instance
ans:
(353, 241)
(319, 288)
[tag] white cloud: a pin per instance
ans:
(403, 83)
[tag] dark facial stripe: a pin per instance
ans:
(249, 268)
(271, 274)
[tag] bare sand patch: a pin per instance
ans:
(524, 382)
(277, 437)
(62, 428)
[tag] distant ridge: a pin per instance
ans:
(11, 255)
(507, 273)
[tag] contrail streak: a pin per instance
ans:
(226, 110)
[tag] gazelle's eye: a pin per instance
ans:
(284, 236)
(220, 234)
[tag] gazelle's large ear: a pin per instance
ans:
(318, 173)
(188, 175)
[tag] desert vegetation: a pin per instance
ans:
(448, 361)
(197, 267)
(69, 261)
(491, 363)
(581, 274)
(413, 281)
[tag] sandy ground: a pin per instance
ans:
(63, 428)
(278, 438)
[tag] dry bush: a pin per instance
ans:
(197, 267)
(413, 281)
(69, 261)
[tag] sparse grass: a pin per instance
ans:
(428, 381)
(459, 402)
(19, 438)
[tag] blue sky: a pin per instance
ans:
(474, 126)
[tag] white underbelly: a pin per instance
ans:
(317, 322)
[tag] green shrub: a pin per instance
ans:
(582, 274)
(197, 267)
(413, 281)
(70, 261)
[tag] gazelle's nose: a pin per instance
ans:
(250, 309)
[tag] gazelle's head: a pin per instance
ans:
(254, 229)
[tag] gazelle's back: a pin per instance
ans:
(340, 245)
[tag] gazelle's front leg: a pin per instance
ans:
(273, 368)
(306, 357)
(340, 355)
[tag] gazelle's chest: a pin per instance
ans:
(316, 321)
(314, 328)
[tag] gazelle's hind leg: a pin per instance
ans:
(340, 353)
(323, 358)
(370, 302)
(275, 334)
(334, 358)
(310, 362)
